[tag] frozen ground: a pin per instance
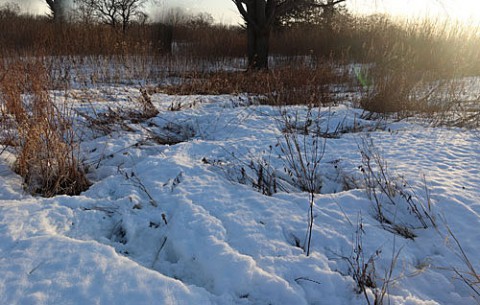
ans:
(188, 222)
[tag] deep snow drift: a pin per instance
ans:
(179, 211)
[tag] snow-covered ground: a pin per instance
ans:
(191, 222)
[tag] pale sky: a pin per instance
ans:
(224, 10)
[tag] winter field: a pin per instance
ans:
(223, 199)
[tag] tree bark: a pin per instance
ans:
(258, 34)
(258, 48)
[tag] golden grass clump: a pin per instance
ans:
(44, 138)
(287, 85)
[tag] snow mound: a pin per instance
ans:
(185, 222)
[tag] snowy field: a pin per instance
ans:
(199, 205)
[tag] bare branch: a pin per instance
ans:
(241, 9)
(114, 12)
(328, 4)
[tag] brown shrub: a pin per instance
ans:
(288, 85)
(44, 143)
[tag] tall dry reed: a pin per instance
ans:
(44, 143)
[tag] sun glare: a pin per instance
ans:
(459, 11)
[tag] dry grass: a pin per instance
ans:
(34, 35)
(289, 85)
(429, 45)
(468, 274)
(416, 67)
(395, 204)
(44, 138)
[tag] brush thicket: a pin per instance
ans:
(44, 142)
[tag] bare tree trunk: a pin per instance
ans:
(258, 48)
(163, 37)
(258, 35)
(251, 45)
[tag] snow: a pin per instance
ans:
(183, 223)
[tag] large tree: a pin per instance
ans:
(115, 12)
(259, 16)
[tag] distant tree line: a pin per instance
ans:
(260, 16)
(86, 24)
